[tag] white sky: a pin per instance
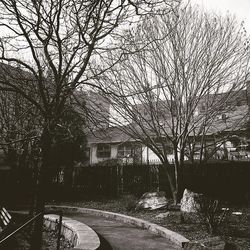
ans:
(240, 8)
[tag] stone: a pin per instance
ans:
(152, 201)
(236, 213)
(190, 201)
(162, 215)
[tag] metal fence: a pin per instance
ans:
(229, 179)
(226, 179)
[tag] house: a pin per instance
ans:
(226, 137)
(119, 147)
(113, 144)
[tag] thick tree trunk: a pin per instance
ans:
(179, 153)
(34, 189)
(172, 182)
(180, 179)
(41, 189)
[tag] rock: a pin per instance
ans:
(152, 201)
(214, 243)
(190, 201)
(162, 215)
(171, 217)
(236, 213)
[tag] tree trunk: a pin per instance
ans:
(34, 188)
(180, 179)
(42, 182)
(172, 182)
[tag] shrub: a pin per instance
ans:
(129, 202)
(212, 213)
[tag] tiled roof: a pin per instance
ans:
(233, 121)
(109, 135)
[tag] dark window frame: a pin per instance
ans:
(103, 151)
(125, 151)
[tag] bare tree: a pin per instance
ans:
(19, 128)
(191, 58)
(50, 45)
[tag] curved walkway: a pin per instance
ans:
(124, 232)
(79, 234)
(118, 235)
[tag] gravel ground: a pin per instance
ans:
(235, 229)
(50, 241)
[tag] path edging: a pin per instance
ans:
(176, 238)
(80, 235)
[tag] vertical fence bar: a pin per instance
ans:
(59, 230)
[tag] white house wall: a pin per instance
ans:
(93, 159)
(148, 156)
(114, 150)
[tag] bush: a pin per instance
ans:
(212, 213)
(129, 202)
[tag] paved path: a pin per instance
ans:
(117, 235)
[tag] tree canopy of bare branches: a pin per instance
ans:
(190, 59)
(50, 44)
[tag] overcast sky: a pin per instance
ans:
(240, 8)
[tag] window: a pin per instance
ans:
(168, 148)
(124, 151)
(103, 151)
(203, 107)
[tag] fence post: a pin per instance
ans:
(59, 230)
(150, 177)
(119, 178)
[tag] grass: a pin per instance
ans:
(235, 229)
